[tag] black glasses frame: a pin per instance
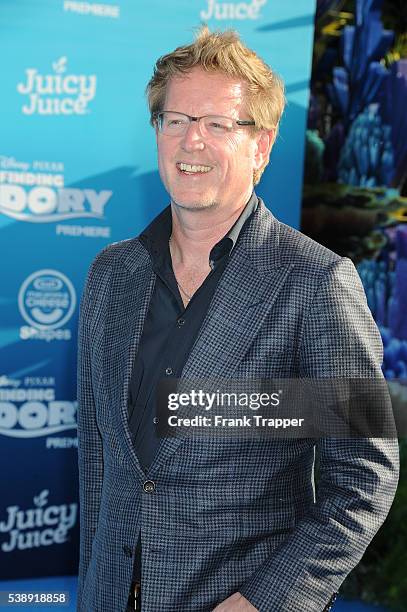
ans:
(243, 122)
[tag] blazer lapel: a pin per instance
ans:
(246, 292)
(236, 314)
(132, 287)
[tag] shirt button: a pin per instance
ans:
(149, 486)
(180, 322)
(168, 371)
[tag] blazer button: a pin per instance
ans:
(149, 486)
(168, 371)
(127, 551)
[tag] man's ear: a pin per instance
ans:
(264, 144)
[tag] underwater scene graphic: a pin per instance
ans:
(355, 203)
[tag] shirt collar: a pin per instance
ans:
(228, 242)
(156, 236)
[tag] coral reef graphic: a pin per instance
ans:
(354, 196)
(355, 202)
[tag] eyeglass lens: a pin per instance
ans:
(172, 123)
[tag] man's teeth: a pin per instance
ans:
(189, 168)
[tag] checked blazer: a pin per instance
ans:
(237, 514)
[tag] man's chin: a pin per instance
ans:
(196, 204)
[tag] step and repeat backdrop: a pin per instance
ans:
(77, 171)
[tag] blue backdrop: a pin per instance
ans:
(77, 171)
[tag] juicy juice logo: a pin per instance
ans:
(230, 10)
(42, 525)
(58, 93)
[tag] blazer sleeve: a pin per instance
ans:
(90, 452)
(357, 477)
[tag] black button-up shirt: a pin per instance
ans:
(169, 331)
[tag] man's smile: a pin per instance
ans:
(185, 168)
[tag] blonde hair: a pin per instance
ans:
(224, 52)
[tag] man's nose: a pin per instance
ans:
(193, 140)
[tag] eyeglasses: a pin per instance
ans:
(172, 123)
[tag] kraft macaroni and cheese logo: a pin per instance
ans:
(229, 10)
(46, 300)
(58, 92)
(43, 524)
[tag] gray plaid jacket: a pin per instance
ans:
(234, 514)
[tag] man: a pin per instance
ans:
(216, 287)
